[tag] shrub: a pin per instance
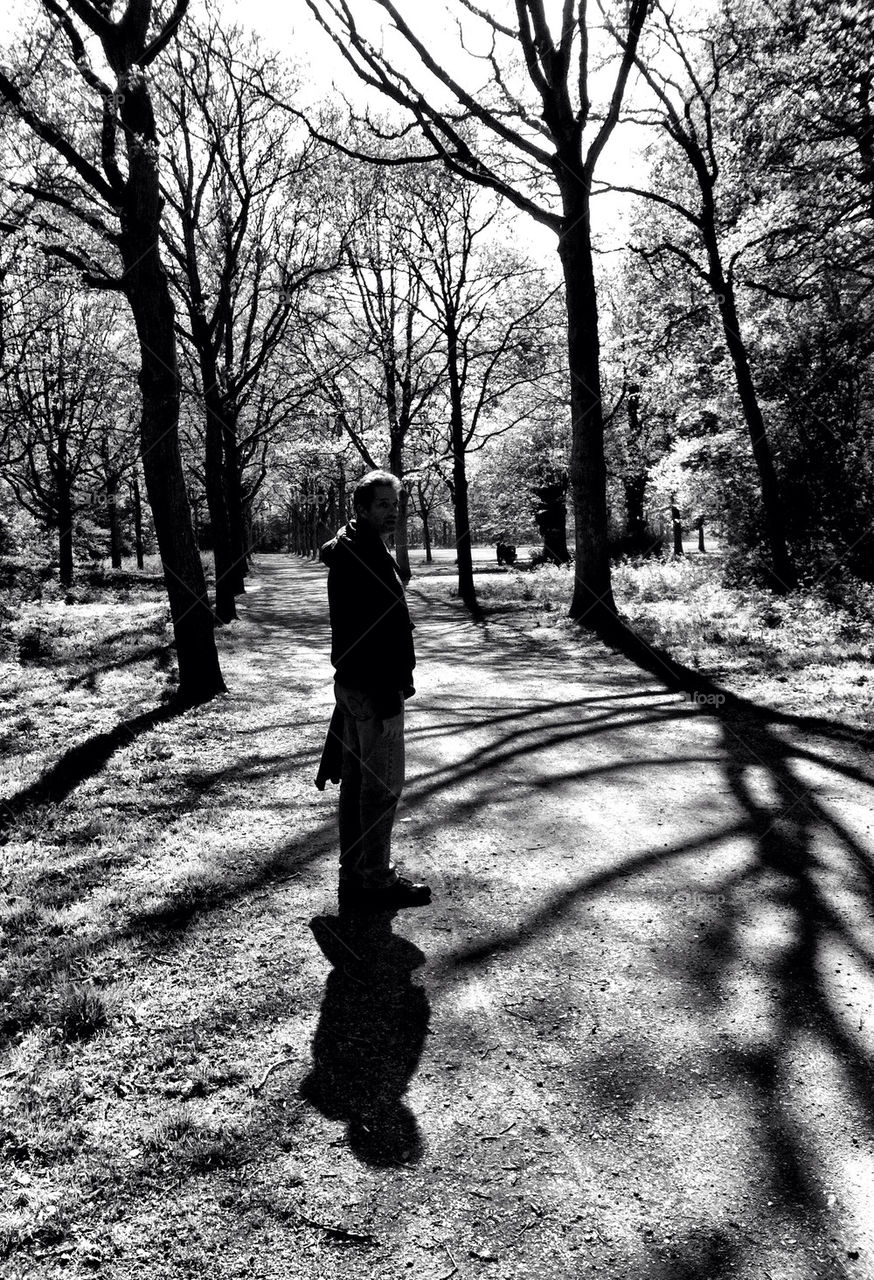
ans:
(78, 1009)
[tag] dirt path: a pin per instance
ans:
(638, 1037)
(632, 1037)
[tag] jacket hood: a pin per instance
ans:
(347, 539)
(330, 550)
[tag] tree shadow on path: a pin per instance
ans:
(780, 895)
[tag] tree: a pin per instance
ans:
(688, 96)
(384, 318)
(56, 399)
(106, 178)
(487, 303)
(245, 238)
(540, 152)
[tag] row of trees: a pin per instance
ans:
(306, 297)
(738, 239)
(274, 297)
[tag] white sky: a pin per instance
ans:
(289, 27)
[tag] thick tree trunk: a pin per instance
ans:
(402, 534)
(152, 307)
(592, 604)
(341, 492)
(635, 513)
(214, 469)
(65, 537)
(461, 509)
(551, 520)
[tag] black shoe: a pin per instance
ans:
(401, 893)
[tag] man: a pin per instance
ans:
(372, 652)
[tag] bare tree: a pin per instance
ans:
(56, 401)
(485, 301)
(539, 150)
(106, 178)
(245, 238)
(688, 98)
(397, 341)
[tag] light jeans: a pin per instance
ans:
(371, 783)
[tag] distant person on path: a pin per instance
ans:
(372, 653)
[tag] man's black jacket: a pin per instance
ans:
(371, 631)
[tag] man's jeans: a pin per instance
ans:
(371, 782)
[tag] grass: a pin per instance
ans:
(122, 1069)
(803, 651)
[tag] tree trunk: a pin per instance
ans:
(783, 575)
(551, 520)
(152, 307)
(426, 529)
(65, 536)
(214, 481)
(64, 492)
(466, 588)
(213, 471)
(233, 481)
(402, 536)
(110, 480)
(138, 522)
(635, 517)
(114, 522)
(592, 603)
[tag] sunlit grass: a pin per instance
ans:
(819, 649)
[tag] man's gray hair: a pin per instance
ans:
(362, 494)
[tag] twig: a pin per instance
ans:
(523, 1016)
(342, 1233)
(493, 1137)
(451, 1273)
(274, 1066)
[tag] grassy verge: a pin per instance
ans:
(803, 652)
(120, 1069)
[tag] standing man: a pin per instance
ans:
(372, 653)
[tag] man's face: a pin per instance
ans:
(382, 514)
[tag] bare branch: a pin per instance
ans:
(166, 34)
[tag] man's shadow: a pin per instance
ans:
(370, 1036)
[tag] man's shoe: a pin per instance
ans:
(401, 893)
(406, 893)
